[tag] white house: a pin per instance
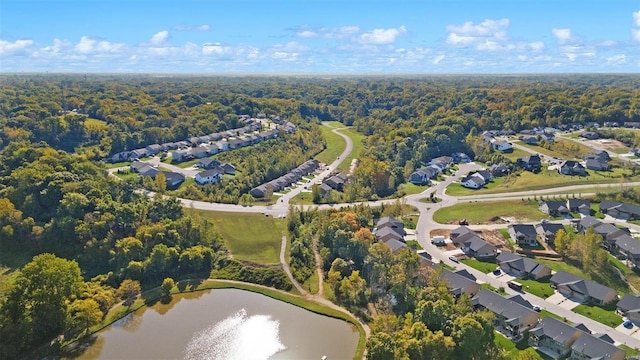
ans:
(209, 176)
(501, 145)
(472, 182)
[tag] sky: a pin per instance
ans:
(320, 36)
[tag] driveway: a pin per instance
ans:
(562, 301)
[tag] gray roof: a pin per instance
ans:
(476, 244)
(387, 233)
(519, 263)
(457, 282)
(212, 172)
(513, 312)
(576, 203)
(395, 245)
(588, 221)
(549, 229)
(555, 329)
(629, 302)
(629, 245)
(527, 231)
(460, 231)
(583, 286)
(555, 205)
(594, 348)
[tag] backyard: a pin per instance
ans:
(490, 212)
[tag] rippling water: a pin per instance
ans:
(238, 337)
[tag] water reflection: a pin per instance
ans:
(238, 337)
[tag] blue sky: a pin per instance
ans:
(313, 36)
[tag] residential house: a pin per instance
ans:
(554, 337)
(137, 165)
(582, 290)
(532, 163)
(590, 347)
(554, 208)
(484, 174)
(460, 283)
(580, 206)
(173, 179)
(598, 154)
(620, 210)
(631, 124)
(420, 177)
(570, 167)
(442, 162)
(137, 154)
(390, 222)
(154, 149)
(499, 170)
(325, 189)
(395, 245)
(511, 318)
(461, 234)
(199, 152)
(629, 307)
(548, 136)
(547, 231)
(472, 182)
(529, 139)
(120, 157)
(336, 182)
(478, 248)
(523, 234)
(589, 135)
(259, 191)
(628, 247)
(209, 176)
(460, 157)
(521, 267)
(228, 168)
(149, 171)
(208, 163)
(501, 145)
(597, 165)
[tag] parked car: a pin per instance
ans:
(454, 259)
(537, 308)
(497, 271)
(628, 324)
(463, 222)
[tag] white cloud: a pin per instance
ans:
(213, 49)
(455, 39)
(536, 45)
(327, 33)
(307, 34)
(635, 34)
(438, 59)
(636, 18)
(487, 28)
(160, 37)
(618, 59)
(8, 47)
(203, 27)
(563, 35)
(382, 36)
(88, 45)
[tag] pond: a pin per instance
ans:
(226, 324)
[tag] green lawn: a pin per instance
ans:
(303, 198)
(525, 181)
(631, 276)
(109, 165)
(410, 189)
(486, 212)
(536, 287)
(249, 236)
(515, 154)
(414, 243)
(630, 351)
(610, 278)
(335, 145)
(513, 349)
(483, 266)
(357, 149)
(544, 313)
(606, 315)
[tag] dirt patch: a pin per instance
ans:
(608, 144)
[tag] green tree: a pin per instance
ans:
(84, 314)
(167, 285)
(128, 290)
(381, 346)
(161, 182)
(562, 242)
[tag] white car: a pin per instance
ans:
(454, 259)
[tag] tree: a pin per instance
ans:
(316, 195)
(381, 346)
(527, 354)
(161, 182)
(167, 285)
(84, 314)
(562, 242)
(128, 290)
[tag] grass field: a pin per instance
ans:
(410, 189)
(485, 212)
(335, 144)
(249, 236)
(513, 349)
(483, 266)
(605, 316)
(536, 287)
(357, 149)
(546, 179)
(515, 154)
(610, 278)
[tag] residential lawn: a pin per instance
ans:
(570, 149)
(357, 149)
(606, 315)
(489, 212)
(489, 287)
(483, 266)
(630, 275)
(410, 221)
(541, 150)
(109, 165)
(411, 243)
(544, 313)
(545, 179)
(249, 236)
(410, 189)
(127, 175)
(539, 288)
(187, 164)
(303, 198)
(609, 278)
(335, 145)
(630, 351)
(513, 349)
(515, 154)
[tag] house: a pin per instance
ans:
(208, 163)
(498, 170)
(587, 222)
(173, 179)
(199, 152)
(511, 318)
(154, 149)
(501, 145)
(460, 283)
(325, 189)
(137, 165)
(628, 304)
(589, 135)
(591, 347)
(523, 234)
(386, 233)
(484, 174)
(554, 208)
(580, 206)
(336, 182)
(583, 290)
(228, 168)
(149, 171)
(521, 267)
(598, 154)
(120, 157)
(478, 248)
(532, 163)
(620, 210)
(259, 191)
(209, 176)
(554, 337)
(137, 154)
(395, 245)
(529, 139)
(472, 182)
(597, 165)
(570, 167)
(628, 247)
(547, 231)
(390, 222)
(420, 177)
(460, 157)
(609, 233)
(548, 136)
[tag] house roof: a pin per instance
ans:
(464, 238)
(476, 244)
(549, 229)
(519, 263)
(208, 162)
(594, 348)
(457, 283)
(629, 302)
(554, 205)
(628, 244)
(216, 171)
(576, 203)
(555, 329)
(389, 221)
(528, 231)
(513, 312)
(395, 245)
(388, 233)
(460, 231)
(172, 177)
(607, 204)
(580, 285)
(465, 273)
(148, 170)
(589, 221)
